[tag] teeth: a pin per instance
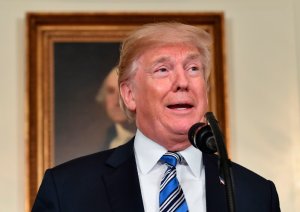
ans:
(180, 108)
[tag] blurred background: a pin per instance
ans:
(263, 77)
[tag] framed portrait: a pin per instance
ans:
(69, 56)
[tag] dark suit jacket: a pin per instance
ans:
(108, 181)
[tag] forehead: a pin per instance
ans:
(167, 52)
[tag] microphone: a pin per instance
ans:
(200, 135)
(209, 139)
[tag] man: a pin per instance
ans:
(122, 130)
(163, 74)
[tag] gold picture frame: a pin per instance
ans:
(44, 30)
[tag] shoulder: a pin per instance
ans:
(79, 170)
(244, 179)
(92, 165)
(252, 186)
(251, 189)
(237, 169)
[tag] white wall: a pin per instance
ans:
(263, 47)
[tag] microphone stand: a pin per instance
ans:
(224, 162)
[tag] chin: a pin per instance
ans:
(119, 120)
(182, 130)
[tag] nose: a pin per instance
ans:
(181, 81)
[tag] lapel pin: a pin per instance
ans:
(222, 181)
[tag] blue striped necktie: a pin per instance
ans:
(171, 197)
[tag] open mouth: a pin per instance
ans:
(180, 106)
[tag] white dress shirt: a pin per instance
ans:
(190, 175)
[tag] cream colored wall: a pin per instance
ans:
(263, 47)
(296, 6)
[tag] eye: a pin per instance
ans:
(195, 68)
(111, 90)
(162, 69)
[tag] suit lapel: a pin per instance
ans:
(215, 191)
(122, 183)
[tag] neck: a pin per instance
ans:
(126, 125)
(176, 147)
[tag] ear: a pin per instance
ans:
(127, 94)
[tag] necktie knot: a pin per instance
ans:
(171, 158)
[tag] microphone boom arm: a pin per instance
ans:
(224, 162)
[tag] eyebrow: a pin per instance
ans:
(167, 58)
(161, 59)
(193, 56)
(190, 57)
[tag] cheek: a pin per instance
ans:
(109, 102)
(204, 99)
(202, 95)
(152, 95)
(147, 100)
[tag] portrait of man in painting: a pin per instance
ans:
(88, 117)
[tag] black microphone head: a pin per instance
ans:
(193, 133)
(200, 135)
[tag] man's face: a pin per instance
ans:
(111, 99)
(168, 92)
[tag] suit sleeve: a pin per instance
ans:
(274, 198)
(47, 198)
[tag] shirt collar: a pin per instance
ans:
(149, 152)
(193, 158)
